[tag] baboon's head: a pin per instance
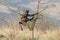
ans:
(26, 11)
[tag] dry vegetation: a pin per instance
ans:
(10, 34)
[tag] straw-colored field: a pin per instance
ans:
(15, 34)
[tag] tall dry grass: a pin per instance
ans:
(9, 34)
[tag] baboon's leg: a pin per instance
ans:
(22, 23)
(21, 26)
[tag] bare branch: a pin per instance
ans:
(45, 3)
(38, 6)
(43, 9)
(15, 11)
(46, 8)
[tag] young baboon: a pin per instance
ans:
(25, 19)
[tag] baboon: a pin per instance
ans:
(25, 19)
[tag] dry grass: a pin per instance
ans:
(10, 34)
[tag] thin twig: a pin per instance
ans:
(46, 2)
(5, 22)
